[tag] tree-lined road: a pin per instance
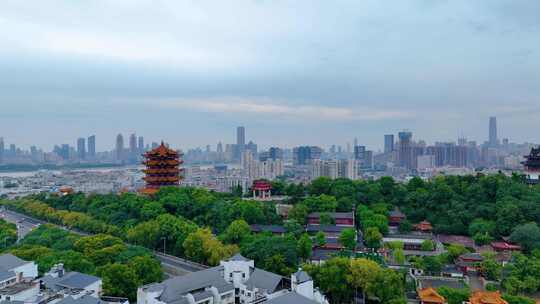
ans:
(173, 266)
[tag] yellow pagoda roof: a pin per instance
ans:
(430, 295)
(486, 297)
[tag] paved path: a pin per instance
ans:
(173, 266)
(474, 282)
(24, 224)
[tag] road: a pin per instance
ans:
(24, 223)
(172, 266)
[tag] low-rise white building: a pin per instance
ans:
(74, 284)
(16, 279)
(24, 270)
(234, 281)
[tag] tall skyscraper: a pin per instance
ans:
(219, 148)
(81, 148)
(240, 136)
(275, 153)
(119, 147)
(133, 144)
(388, 143)
(493, 140)
(13, 150)
(64, 151)
(92, 146)
(359, 152)
(305, 155)
(140, 144)
(405, 150)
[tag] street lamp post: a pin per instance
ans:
(164, 245)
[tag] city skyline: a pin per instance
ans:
(238, 135)
(327, 73)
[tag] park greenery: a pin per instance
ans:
(342, 279)
(8, 234)
(206, 226)
(122, 267)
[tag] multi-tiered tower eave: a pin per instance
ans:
(162, 168)
(532, 166)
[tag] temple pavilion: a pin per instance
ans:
(162, 168)
(532, 166)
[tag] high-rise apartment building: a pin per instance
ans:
(275, 153)
(334, 168)
(305, 154)
(449, 154)
(493, 139)
(240, 136)
(363, 157)
(405, 150)
(249, 165)
(92, 146)
(64, 151)
(251, 146)
(359, 152)
(388, 143)
(140, 144)
(119, 149)
(133, 144)
(351, 169)
(81, 148)
(12, 150)
(219, 148)
(271, 169)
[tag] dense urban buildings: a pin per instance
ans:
(243, 161)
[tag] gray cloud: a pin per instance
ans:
(409, 64)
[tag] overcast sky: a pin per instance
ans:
(292, 72)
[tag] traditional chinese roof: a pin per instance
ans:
(161, 162)
(500, 246)
(396, 213)
(148, 191)
(532, 161)
(161, 151)
(456, 239)
(485, 297)
(161, 178)
(162, 169)
(262, 185)
(430, 295)
(423, 226)
(334, 215)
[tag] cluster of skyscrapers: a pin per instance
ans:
(402, 154)
(133, 152)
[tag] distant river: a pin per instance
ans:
(18, 174)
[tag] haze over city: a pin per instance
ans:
(292, 72)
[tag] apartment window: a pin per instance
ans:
(243, 275)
